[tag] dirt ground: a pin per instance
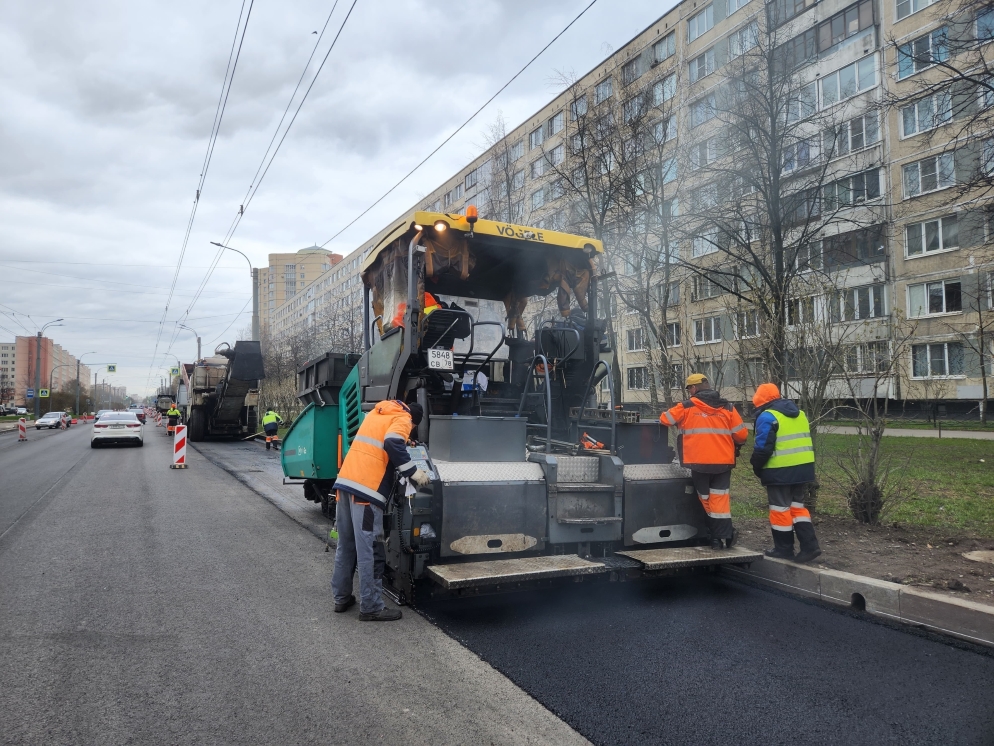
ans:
(920, 557)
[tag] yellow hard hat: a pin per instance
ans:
(695, 379)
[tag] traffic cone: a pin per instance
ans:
(179, 448)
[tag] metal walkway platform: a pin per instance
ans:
(665, 559)
(494, 572)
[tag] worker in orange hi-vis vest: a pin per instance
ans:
(711, 432)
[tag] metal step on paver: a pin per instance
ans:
(666, 559)
(494, 572)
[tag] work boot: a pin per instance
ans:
(807, 555)
(345, 605)
(267, 446)
(778, 553)
(383, 615)
(729, 543)
(717, 543)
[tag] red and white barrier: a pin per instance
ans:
(22, 431)
(62, 423)
(158, 419)
(179, 448)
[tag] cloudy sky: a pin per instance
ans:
(106, 111)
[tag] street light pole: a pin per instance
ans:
(184, 326)
(255, 290)
(38, 365)
(77, 378)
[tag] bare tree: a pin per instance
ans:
(503, 187)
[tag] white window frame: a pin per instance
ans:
(741, 41)
(907, 51)
(556, 123)
(989, 10)
(922, 231)
(987, 156)
(517, 150)
(912, 7)
(537, 168)
(603, 91)
(709, 149)
(631, 71)
(707, 330)
(700, 23)
(635, 339)
(578, 108)
(943, 166)
(557, 155)
(747, 324)
(926, 114)
(634, 369)
(665, 48)
(843, 141)
(846, 185)
(706, 105)
(695, 66)
(862, 74)
(704, 243)
(849, 298)
(664, 130)
(664, 89)
(926, 286)
(536, 137)
(945, 360)
(538, 199)
(673, 334)
(735, 5)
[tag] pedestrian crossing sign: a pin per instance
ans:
(174, 371)
(42, 393)
(112, 369)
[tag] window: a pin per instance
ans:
(631, 71)
(906, 7)
(987, 157)
(932, 235)
(871, 357)
(663, 90)
(787, 9)
(518, 180)
(638, 378)
(707, 330)
(985, 24)
(535, 138)
(852, 190)
(800, 154)
(926, 113)
(922, 53)
(741, 41)
(937, 360)
(850, 80)
(700, 23)
(556, 123)
(804, 104)
(705, 287)
(800, 311)
(803, 47)
(633, 107)
(704, 243)
(703, 153)
(538, 168)
(673, 334)
(436, 206)
(664, 130)
(701, 65)
(554, 191)
(578, 108)
(516, 151)
(673, 297)
(933, 298)
(636, 340)
(734, 5)
(845, 24)
(852, 136)
(858, 304)
(747, 324)
(557, 154)
(668, 170)
(929, 175)
(517, 211)
(809, 256)
(538, 199)
(471, 178)
(664, 48)
(602, 91)
(702, 111)
(863, 246)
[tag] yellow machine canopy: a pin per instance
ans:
(488, 260)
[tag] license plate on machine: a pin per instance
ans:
(440, 359)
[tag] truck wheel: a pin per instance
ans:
(197, 427)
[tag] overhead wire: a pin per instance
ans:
(229, 75)
(461, 126)
(264, 165)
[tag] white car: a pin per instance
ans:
(52, 420)
(117, 427)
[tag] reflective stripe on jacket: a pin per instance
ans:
(379, 447)
(783, 452)
(708, 435)
(270, 418)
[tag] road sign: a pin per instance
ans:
(42, 393)
(174, 371)
(31, 393)
(112, 369)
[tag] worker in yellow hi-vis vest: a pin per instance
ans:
(271, 424)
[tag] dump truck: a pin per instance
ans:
(495, 330)
(223, 398)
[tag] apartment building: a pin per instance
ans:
(57, 369)
(901, 268)
(8, 359)
(284, 278)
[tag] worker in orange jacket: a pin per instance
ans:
(711, 433)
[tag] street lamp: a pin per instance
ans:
(255, 289)
(38, 364)
(77, 378)
(184, 326)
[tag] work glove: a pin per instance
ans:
(420, 478)
(738, 450)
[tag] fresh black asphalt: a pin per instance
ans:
(708, 661)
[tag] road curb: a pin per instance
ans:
(285, 506)
(961, 618)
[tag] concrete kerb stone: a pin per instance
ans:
(961, 618)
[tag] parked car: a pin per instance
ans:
(117, 427)
(52, 420)
(21, 410)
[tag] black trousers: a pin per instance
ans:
(788, 516)
(713, 492)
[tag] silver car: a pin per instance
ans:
(52, 420)
(117, 427)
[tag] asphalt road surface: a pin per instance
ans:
(144, 605)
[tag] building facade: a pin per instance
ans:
(284, 278)
(57, 368)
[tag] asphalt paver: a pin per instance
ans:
(702, 660)
(144, 605)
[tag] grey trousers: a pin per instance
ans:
(360, 540)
